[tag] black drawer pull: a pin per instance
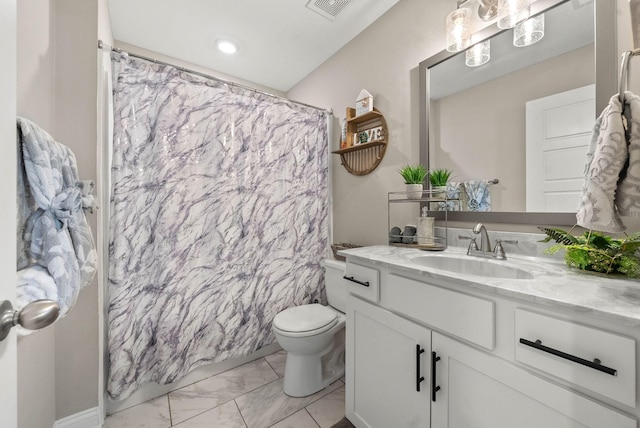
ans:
(434, 388)
(419, 379)
(352, 279)
(595, 364)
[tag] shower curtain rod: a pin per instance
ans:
(102, 45)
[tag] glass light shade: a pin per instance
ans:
(478, 54)
(529, 32)
(511, 12)
(459, 30)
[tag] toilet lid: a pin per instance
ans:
(304, 318)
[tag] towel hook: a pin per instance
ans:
(624, 76)
(624, 73)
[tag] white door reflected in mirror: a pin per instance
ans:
(558, 130)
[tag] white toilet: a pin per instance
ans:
(313, 336)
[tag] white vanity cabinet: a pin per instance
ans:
(388, 380)
(425, 352)
(482, 391)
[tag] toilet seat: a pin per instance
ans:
(305, 320)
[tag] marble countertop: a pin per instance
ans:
(553, 284)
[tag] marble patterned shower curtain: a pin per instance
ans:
(219, 220)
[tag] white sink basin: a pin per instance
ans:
(473, 266)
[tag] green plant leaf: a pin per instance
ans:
(413, 174)
(600, 241)
(558, 235)
(595, 251)
(439, 176)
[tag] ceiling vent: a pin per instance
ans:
(328, 8)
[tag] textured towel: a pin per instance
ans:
(33, 283)
(54, 231)
(613, 165)
(478, 195)
(454, 193)
(628, 194)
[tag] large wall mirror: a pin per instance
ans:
(492, 122)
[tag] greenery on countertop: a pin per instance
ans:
(439, 177)
(595, 251)
(413, 174)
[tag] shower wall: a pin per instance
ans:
(219, 220)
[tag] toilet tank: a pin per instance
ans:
(335, 284)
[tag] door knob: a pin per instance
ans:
(34, 316)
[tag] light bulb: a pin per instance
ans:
(459, 30)
(226, 46)
(511, 12)
(478, 54)
(529, 32)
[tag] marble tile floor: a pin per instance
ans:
(249, 396)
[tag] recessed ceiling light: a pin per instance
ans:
(226, 46)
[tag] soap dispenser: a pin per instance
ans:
(425, 225)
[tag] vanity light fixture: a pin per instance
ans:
(487, 9)
(459, 29)
(512, 12)
(529, 32)
(227, 46)
(478, 54)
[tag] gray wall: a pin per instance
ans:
(75, 125)
(35, 100)
(383, 59)
(58, 367)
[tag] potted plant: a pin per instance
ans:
(594, 251)
(438, 179)
(414, 178)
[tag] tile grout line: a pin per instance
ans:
(240, 412)
(302, 408)
(232, 399)
(170, 416)
(273, 368)
(224, 371)
(311, 416)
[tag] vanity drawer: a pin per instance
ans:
(363, 281)
(457, 314)
(568, 350)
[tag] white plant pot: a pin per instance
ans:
(439, 191)
(414, 191)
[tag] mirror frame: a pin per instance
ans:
(606, 59)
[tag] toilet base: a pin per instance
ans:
(307, 374)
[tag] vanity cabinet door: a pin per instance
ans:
(478, 390)
(386, 357)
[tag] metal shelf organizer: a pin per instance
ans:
(403, 211)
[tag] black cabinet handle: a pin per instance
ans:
(595, 364)
(419, 379)
(434, 388)
(352, 279)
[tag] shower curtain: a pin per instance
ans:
(219, 220)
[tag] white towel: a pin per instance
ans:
(33, 283)
(607, 156)
(628, 194)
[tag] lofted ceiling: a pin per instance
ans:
(280, 41)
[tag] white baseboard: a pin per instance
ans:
(90, 418)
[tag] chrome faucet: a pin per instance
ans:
(485, 245)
